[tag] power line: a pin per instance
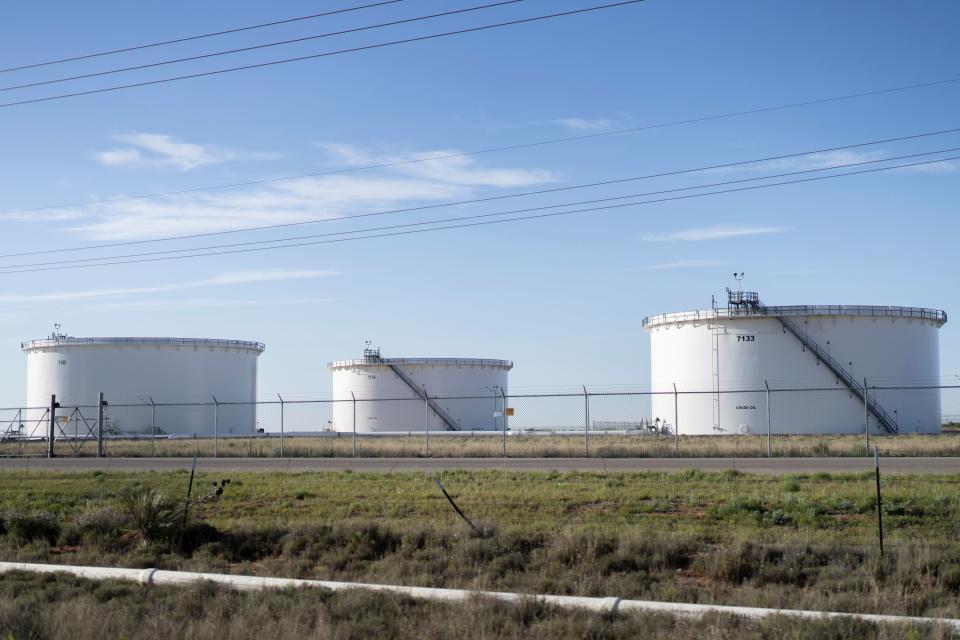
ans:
(215, 54)
(368, 47)
(14, 269)
(526, 145)
(662, 174)
(98, 54)
(485, 215)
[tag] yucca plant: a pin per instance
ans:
(151, 515)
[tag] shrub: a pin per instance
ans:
(776, 517)
(36, 525)
(197, 534)
(821, 449)
(151, 515)
(791, 484)
(100, 522)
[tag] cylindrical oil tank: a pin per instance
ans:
(413, 394)
(159, 385)
(816, 359)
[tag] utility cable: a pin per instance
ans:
(138, 47)
(256, 47)
(13, 269)
(485, 215)
(526, 145)
(325, 54)
(663, 174)
(471, 217)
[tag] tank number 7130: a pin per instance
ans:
(746, 338)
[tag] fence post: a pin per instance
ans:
(769, 421)
(426, 419)
(676, 422)
(281, 424)
(100, 405)
(354, 423)
(876, 462)
(866, 417)
(153, 427)
(19, 419)
(53, 425)
(216, 427)
(504, 397)
(586, 423)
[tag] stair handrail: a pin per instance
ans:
(446, 417)
(861, 391)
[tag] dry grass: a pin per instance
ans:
(795, 542)
(41, 607)
(519, 446)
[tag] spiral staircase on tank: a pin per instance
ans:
(748, 303)
(372, 356)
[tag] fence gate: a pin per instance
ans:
(18, 431)
(75, 429)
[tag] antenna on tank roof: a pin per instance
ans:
(369, 353)
(738, 276)
(57, 332)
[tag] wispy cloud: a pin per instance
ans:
(935, 168)
(448, 167)
(229, 278)
(832, 159)
(813, 161)
(207, 303)
(588, 125)
(824, 160)
(713, 233)
(157, 150)
(298, 200)
(800, 272)
(279, 203)
(681, 264)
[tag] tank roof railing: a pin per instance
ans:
(935, 315)
(195, 342)
(481, 362)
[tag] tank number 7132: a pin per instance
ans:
(746, 338)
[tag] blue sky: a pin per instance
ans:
(564, 297)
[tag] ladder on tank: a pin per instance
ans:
(751, 300)
(373, 356)
(715, 366)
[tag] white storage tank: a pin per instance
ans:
(414, 394)
(133, 372)
(721, 360)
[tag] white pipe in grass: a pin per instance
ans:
(608, 605)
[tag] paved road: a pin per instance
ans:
(601, 465)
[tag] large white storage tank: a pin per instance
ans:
(414, 394)
(832, 357)
(132, 372)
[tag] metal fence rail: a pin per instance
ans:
(766, 419)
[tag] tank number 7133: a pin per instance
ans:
(746, 338)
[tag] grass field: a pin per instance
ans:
(517, 446)
(92, 611)
(728, 538)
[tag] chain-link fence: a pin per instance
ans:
(673, 420)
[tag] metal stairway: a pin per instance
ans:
(739, 299)
(373, 356)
